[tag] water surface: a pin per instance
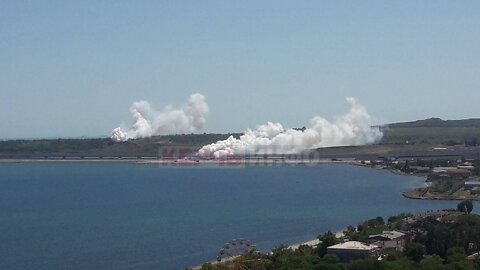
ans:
(130, 216)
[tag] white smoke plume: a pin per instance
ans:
(353, 128)
(148, 122)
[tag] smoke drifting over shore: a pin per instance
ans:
(148, 122)
(353, 128)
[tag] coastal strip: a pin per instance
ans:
(311, 243)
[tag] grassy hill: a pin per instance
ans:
(433, 131)
(437, 122)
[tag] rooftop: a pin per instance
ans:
(353, 245)
(388, 234)
(472, 182)
(450, 170)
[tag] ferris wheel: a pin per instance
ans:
(236, 247)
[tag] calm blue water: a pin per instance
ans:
(128, 216)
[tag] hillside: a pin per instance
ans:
(433, 131)
(408, 136)
(437, 122)
(103, 147)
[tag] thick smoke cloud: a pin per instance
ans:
(353, 128)
(148, 122)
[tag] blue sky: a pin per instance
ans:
(73, 68)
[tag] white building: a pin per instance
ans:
(352, 250)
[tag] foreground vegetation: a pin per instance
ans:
(439, 242)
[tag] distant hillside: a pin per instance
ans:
(103, 147)
(433, 131)
(437, 122)
(409, 135)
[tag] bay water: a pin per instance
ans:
(132, 216)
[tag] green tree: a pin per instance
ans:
(367, 264)
(402, 264)
(469, 206)
(326, 240)
(465, 206)
(415, 252)
(380, 220)
(432, 263)
(461, 207)
(455, 254)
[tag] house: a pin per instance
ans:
(389, 240)
(352, 250)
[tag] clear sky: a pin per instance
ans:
(73, 68)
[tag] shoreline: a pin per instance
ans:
(180, 162)
(294, 246)
(411, 196)
(68, 160)
(314, 242)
